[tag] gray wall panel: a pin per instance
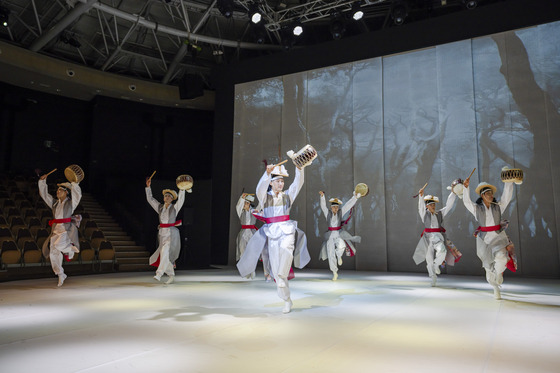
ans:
(396, 122)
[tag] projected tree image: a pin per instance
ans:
(400, 121)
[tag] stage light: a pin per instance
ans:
(255, 14)
(297, 30)
(337, 28)
(470, 4)
(5, 16)
(398, 12)
(357, 12)
(225, 7)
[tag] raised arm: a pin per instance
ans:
(294, 189)
(262, 187)
(506, 196)
(151, 200)
(324, 205)
(76, 195)
(348, 205)
(449, 204)
(239, 206)
(180, 201)
(421, 206)
(44, 192)
(470, 205)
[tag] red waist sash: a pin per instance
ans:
(178, 222)
(432, 230)
(334, 228)
(274, 219)
(59, 221)
(248, 227)
(491, 228)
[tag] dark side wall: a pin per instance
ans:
(118, 144)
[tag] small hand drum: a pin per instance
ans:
(184, 182)
(512, 175)
(362, 189)
(74, 173)
(304, 157)
(457, 187)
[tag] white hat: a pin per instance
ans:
(250, 198)
(170, 191)
(335, 201)
(483, 186)
(429, 199)
(279, 171)
(65, 186)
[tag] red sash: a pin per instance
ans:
(274, 219)
(248, 227)
(491, 228)
(334, 228)
(59, 221)
(432, 230)
(178, 222)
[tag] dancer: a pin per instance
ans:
(248, 227)
(434, 247)
(63, 240)
(493, 246)
(337, 240)
(279, 232)
(169, 240)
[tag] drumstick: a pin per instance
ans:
(425, 185)
(468, 178)
(150, 178)
(51, 172)
(278, 164)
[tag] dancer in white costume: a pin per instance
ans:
(279, 232)
(493, 246)
(169, 240)
(63, 240)
(434, 247)
(248, 227)
(337, 240)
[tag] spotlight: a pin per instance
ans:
(398, 12)
(357, 12)
(5, 16)
(470, 4)
(255, 14)
(225, 7)
(297, 30)
(337, 28)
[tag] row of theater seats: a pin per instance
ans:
(24, 228)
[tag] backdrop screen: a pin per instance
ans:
(399, 121)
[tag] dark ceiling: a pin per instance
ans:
(163, 40)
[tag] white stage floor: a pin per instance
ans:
(214, 321)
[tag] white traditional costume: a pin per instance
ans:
(286, 243)
(491, 238)
(337, 240)
(169, 240)
(63, 240)
(248, 227)
(434, 247)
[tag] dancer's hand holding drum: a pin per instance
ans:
(74, 173)
(512, 175)
(361, 190)
(185, 182)
(304, 157)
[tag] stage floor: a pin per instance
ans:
(214, 321)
